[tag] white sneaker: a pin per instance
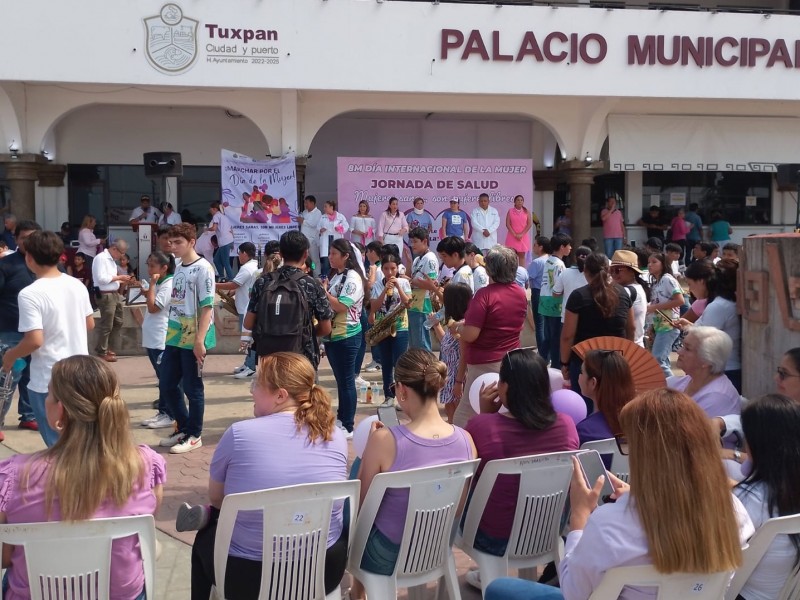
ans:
(187, 443)
(361, 382)
(348, 435)
(239, 369)
(147, 422)
(171, 440)
(160, 421)
(244, 373)
(372, 367)
(473, 577)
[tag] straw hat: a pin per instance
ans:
(626, 258)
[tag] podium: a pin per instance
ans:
(146, 239)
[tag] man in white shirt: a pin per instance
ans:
(309, 227)
(242, 284)
(221, 226)
(572, 278)
(485, 222)
(107, 279)
(452, 252)
(170, 217)
(144, 213)
(54, 316)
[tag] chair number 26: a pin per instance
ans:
(698, 587)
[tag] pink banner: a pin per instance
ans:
(437, 181)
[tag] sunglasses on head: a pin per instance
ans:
(783, 373)
(510, 352)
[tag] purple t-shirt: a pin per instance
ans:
(718, 398)
(269, 452)
(28, 506)
(414, 452)
(594, 428)
(497, 436)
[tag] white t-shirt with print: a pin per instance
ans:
(480, 278)
(154, 325)
(349, 290)
(660, 292)
(425, 266)
(464, 275)
(246, 277)
(192, 290)
(59, 307)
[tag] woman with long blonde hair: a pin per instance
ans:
(291, 441)
(94, 470)
(678, 514)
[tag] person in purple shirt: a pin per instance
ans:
(291, 441)
(426, 441)
(531, 426)
(703, 357)
(606, 380)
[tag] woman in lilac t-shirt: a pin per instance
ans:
(426, 441)
(93, 471)
(291, 441)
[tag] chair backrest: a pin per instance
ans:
(619, 462)
(73, 560)
(697, 586)
(434, 502)
(543, 491)
(757, 546)
(297, 520)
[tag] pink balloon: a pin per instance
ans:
(556, 379)
(569, 403)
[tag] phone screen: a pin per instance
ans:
(388, 416)
(593, 467)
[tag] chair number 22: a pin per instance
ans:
(298, 518)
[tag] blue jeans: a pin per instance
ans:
(21, 379)
(222, 260)
(49, 435)
(538, 321)
(155, 360)
(380, 553)
(342, 358)
(250, 357)
(180, 365)
(611, 245)
(418, 336)
(552, 333)
(505, 588)
(662, 346)
(365, 327)
(391, 348)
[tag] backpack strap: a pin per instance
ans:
(631, 292)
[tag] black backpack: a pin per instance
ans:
(284, 322)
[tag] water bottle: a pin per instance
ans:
(369, 395)
(433, 319)
(362, 396)
(376, 394)
(8, 380)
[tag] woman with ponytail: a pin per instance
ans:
(425, 441)
(94, 470)
(291, 441)
(600, 308)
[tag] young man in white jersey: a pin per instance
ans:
(452, 253)
(190, 333)
(424, 271)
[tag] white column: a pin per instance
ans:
(290, 124)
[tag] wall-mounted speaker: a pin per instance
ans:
(788, 177)
(163, 164)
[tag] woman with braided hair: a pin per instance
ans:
(94, 470)
(291, 441)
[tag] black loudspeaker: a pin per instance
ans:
(788, 176)
(163, 164)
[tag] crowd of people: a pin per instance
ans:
(689, 505)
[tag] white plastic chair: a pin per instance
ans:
(297, 520)
(755, 550)
(697, 586)
(534, 540)
(73, 560)
(619, 462)
(426, 554)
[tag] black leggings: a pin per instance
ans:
(243, 577)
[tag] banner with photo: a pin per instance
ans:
(437, 181)
(259, 196)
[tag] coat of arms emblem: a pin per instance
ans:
(171, 40)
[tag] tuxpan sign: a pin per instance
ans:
(171, 40)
